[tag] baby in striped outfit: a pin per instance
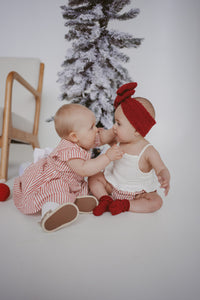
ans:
(55, 184)
(130, 184)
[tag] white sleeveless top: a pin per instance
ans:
(125, 175)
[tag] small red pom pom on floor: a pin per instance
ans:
(4, 192)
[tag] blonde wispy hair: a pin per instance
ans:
(66, 118)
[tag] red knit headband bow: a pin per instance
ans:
(135, 112)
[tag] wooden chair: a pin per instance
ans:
(21, 81)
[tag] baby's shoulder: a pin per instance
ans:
(151, 153)
(149, 149)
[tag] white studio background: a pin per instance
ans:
(166, 65)
(157, 257)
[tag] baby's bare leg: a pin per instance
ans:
(99, 186)
(146, 203)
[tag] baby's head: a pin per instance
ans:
(147, 105)
(71, 117)
(76, 123)
(139, 111)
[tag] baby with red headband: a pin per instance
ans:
(130, 184)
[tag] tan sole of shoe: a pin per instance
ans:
(86, 204)
(64, 215)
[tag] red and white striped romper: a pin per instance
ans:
(51, 180)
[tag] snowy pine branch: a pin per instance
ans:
(128, 15)
(77, 2)
(116, 6)
(123, 40)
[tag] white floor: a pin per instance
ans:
(129, 256)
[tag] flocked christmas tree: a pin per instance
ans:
(92, 71)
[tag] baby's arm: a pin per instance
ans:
(95, 165)
(164, 178)
(161, 170)
(107, 136)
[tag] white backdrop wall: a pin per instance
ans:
(139, 257)
(166, 65)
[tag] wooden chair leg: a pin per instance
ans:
(4, 161)
(35, 143)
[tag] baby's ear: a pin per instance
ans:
(73, 137)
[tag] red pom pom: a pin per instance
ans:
(4, 192)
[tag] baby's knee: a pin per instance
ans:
(156, 203)
(94, 178)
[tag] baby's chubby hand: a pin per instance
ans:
(114, 153)
(164, 180)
